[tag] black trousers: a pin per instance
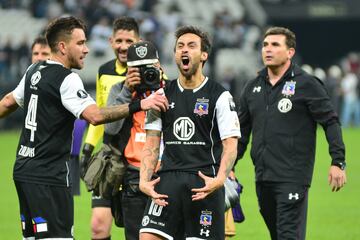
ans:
(133, 204)
(283, 207)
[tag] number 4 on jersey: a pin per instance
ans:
(30, 120)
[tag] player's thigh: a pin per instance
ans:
(165, 220)
(51, 209)
(25, 215)
(205, 218)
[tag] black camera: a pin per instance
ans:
(143, 55)
(150, 78)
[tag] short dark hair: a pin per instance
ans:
(39, 40)
(205, 39)
(126, 23)
(289, 35)
(61, 29)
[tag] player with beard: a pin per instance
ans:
(52, 96)
(200, 133)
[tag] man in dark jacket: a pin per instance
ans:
(281, 107)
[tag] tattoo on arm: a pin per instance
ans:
(150, 154)
(113, 113)
(146, 169)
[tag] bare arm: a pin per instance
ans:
(95, 115)
(7, 105)
(148, 164)
(228, 158)
(227, 161)
(150, 155)
(121, 93)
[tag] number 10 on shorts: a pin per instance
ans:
(155, 209)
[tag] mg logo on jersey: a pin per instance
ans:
(257, 89)
(141, 51)
(293, 196)
(285, 105)
(183, 128)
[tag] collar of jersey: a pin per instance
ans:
(195, 89)
(119, 68)
(53, 62)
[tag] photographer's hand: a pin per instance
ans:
(132, 78)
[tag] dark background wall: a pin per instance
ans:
(322, 42)
(326, 30)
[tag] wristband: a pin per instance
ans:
(134, 106)
(341, 165)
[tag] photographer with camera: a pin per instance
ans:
(144, 76)
(125, 33)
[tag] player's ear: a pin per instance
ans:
(204, 56)
(291, 53)
(62, 47)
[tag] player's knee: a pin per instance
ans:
(150, 236)
(100, 227)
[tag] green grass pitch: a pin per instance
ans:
(331, 216)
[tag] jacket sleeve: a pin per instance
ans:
(245, 124)
(322, 112)
(119, 94)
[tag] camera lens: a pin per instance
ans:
(151, 75)
(150, 78)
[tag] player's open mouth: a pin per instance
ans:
(185, 61)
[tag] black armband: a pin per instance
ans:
(134, 106)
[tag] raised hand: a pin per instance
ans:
(132, 78)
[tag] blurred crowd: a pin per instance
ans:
(155, 26)
(159, 26)
(343, 84)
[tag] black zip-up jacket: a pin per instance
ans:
(283, 120)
